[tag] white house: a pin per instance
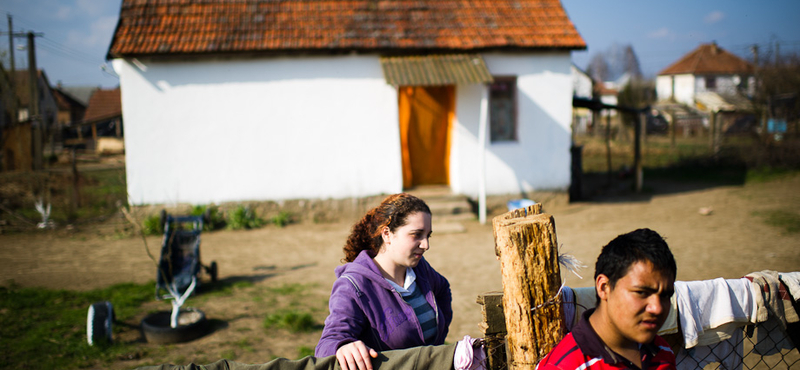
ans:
(235, 100)
(709, 68)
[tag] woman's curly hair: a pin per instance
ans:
(393, 212)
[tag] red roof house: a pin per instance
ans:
(334, 99)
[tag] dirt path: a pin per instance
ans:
(729, 243)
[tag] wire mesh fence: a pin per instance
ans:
(765, 346)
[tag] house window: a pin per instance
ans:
(711, 83)
(503, 109)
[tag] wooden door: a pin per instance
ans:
(426, 114)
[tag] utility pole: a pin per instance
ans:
(13, 75)
(34, 116)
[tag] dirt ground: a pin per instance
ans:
(730, 242)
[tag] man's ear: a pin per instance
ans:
(602, 286)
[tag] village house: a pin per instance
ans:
(271, 100)
(707, 89)
(709, 68)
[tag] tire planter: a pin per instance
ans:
(99, 323)
(192, 324)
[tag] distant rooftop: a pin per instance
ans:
(709, 59)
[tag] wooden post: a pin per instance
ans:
(494, 329)
(637, 152)
(672, 129)
(712, 132)
(525, 242)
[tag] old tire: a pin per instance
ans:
(99, 323)
(192, 324)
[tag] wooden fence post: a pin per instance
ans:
(525, 242)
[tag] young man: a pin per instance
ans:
(634, 278)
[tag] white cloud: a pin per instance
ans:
(99, 33)
(63, 12)
(660, 33)
(714, 17)
(92, 8)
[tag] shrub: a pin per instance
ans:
(152, 225)
(282, 219)
(215, 221)
(244, 218)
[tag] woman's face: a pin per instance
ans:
(405, 246)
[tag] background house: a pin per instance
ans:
(708, 84)
(101, 128)
(250, 100)
(708, 68)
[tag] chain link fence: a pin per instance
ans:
(765, 346)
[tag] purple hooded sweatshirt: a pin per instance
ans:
(364, 306)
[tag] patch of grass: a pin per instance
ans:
(45, 328)
(228, 354)
(294, 321)
(304, 351)
(289, 289)
(789, 221)
(766, 174)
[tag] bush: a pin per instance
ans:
(152, 225)
(215, 221)
(244, 218)
(282, 219)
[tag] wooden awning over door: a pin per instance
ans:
(435, 70)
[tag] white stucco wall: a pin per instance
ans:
(540, 159)
(322, 127)
(581, 83)
(684, 89)
(278, 128)
(664, 87)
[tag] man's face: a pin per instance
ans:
(638, 304)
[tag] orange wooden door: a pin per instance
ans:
(426, 114)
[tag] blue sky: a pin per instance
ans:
(77, 32)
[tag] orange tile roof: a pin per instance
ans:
(170, 27)
(709, 59)
(103, 104)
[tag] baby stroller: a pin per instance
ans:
(179, 265)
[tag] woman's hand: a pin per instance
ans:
(355, 356)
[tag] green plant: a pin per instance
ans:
(152, 225)
(282, 219)
(215, 219)
(244, 218)
(295, 322)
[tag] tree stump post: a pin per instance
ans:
(525, 242)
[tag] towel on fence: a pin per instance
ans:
(727, 352)
(671, 323)
(568, 307)
(792, 282)
(705, 306)
(772, 301)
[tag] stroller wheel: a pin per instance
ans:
(99, 323)
(212, 270)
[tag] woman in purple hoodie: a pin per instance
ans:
(386, 296)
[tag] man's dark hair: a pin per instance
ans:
(639, 245)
